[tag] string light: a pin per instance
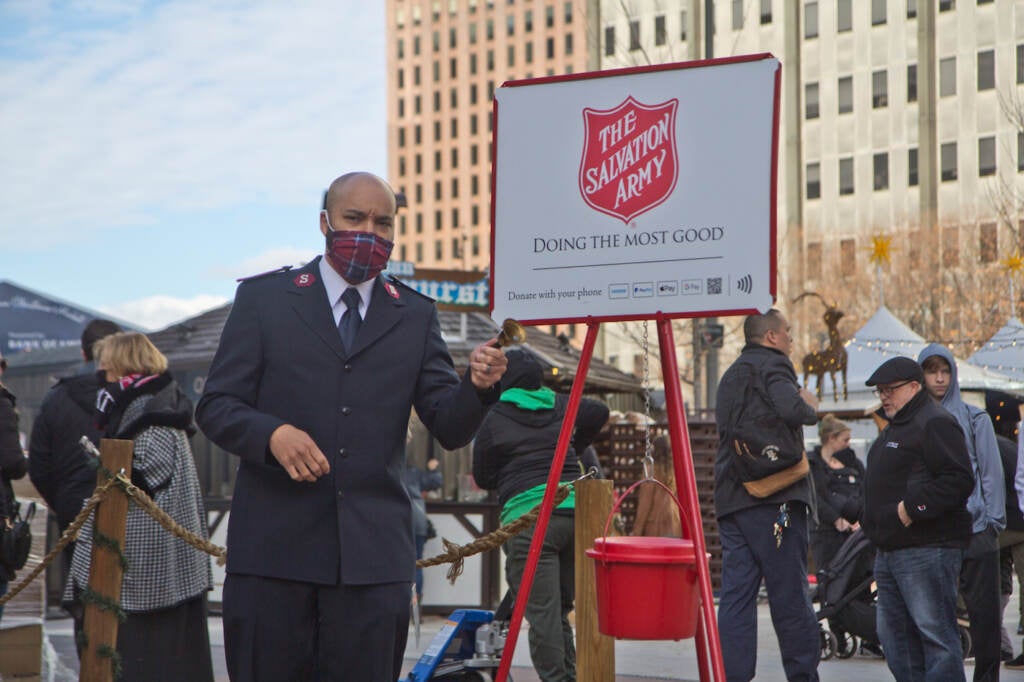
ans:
(881, 250)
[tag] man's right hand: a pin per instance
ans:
(298, 454)
(809, 398)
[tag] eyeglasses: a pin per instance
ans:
(883, 391)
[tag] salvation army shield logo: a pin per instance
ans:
(630, 163)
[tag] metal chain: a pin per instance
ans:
(648, 450)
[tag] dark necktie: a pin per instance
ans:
(348, 326)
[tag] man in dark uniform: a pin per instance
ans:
(312, 387)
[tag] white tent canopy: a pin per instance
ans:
(1004, 352)
(885, 336)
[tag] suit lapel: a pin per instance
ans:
(309, 299)
(384, 313)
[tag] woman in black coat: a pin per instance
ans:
(838, 487)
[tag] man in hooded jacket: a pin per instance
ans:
(979, 575)
(512, 454)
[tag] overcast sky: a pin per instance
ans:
(152, 152)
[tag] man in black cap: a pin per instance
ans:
(915, 512)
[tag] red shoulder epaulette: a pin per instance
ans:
(283, 268)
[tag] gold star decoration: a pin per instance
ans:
(880, 249)
(1013, 263)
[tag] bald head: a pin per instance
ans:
(361, 202)
(337, 188)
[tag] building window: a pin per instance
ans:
(455, 157)
(609, 41)
(551, 48)
(634, 35)
(947, 153)
(472, 64)
(911, 83)
(455, 218)
(474, 155)
(814, 260)
(879, 89)
(419, 223)
(476, 241)
(474, 212)
(528, 21)
(472, 33)
(451, 38)
(473, 121)
(474, 185)
(988, 243)
(435, 41)
(401, 76)
(845, 94)
(814, 180)
(912, 167)
(811, 100)
(845, 176)
(911, 9)
(437, 101)
(415, 75)
(737, 15)
(455, 188)
(844, 16)
(437, 161)
(881, 168)
(549, 16)
(401, 107)
(438, 250)
(437, 190)
(811, 20)
(401, 49)
(419, 252)
(848, 257)
(950, 247)
(438, 221)
(510, 24)
(947, 5)
(1020, 152)
(568, 43)
(511, 61)
(490, 60)
(529, 54)
(453, 67)
(682, 25)
(986, 156)
(568, 12)
(419, 163)
(877, 12)
(947, 77)
(401, 137)
(660, 32)
(1020, 64)
(986, 69)
(766, 12)
(490, 29)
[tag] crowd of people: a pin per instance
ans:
(312, 386)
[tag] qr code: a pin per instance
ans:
(714, 285)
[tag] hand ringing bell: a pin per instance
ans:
(511, 333)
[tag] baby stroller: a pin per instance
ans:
(847, 598)
(848, 601)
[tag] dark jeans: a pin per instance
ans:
(979, 585)
(750, 554)
(552, 648)
(917, 613)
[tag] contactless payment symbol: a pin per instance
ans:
(629, 163)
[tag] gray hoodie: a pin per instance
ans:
(987, 503)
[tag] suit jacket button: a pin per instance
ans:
(348, 367)
(341, 494)
(346, 411)
(342, 452)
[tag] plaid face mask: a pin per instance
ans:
(357, 256)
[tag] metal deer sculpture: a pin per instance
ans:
(832, 358)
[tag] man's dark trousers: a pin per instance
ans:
(749, 553)
(287, 631)
(979, 585)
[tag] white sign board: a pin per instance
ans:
(625, 194)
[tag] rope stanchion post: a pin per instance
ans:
(101, 622)
(595, 653)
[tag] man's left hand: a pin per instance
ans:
(487, 364)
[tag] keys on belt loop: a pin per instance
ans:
(781, 522)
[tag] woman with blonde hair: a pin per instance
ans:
(839, 488)
(656, 513)
(163, 592)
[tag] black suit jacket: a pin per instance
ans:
(281, 360)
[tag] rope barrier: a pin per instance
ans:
(453, 553)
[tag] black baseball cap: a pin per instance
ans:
(896, 369)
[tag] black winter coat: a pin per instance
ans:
(13, 462)
(921, 459)
(1008, 453)
(839, 492)
(780, 379)
(514, 447)
(58, 466)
